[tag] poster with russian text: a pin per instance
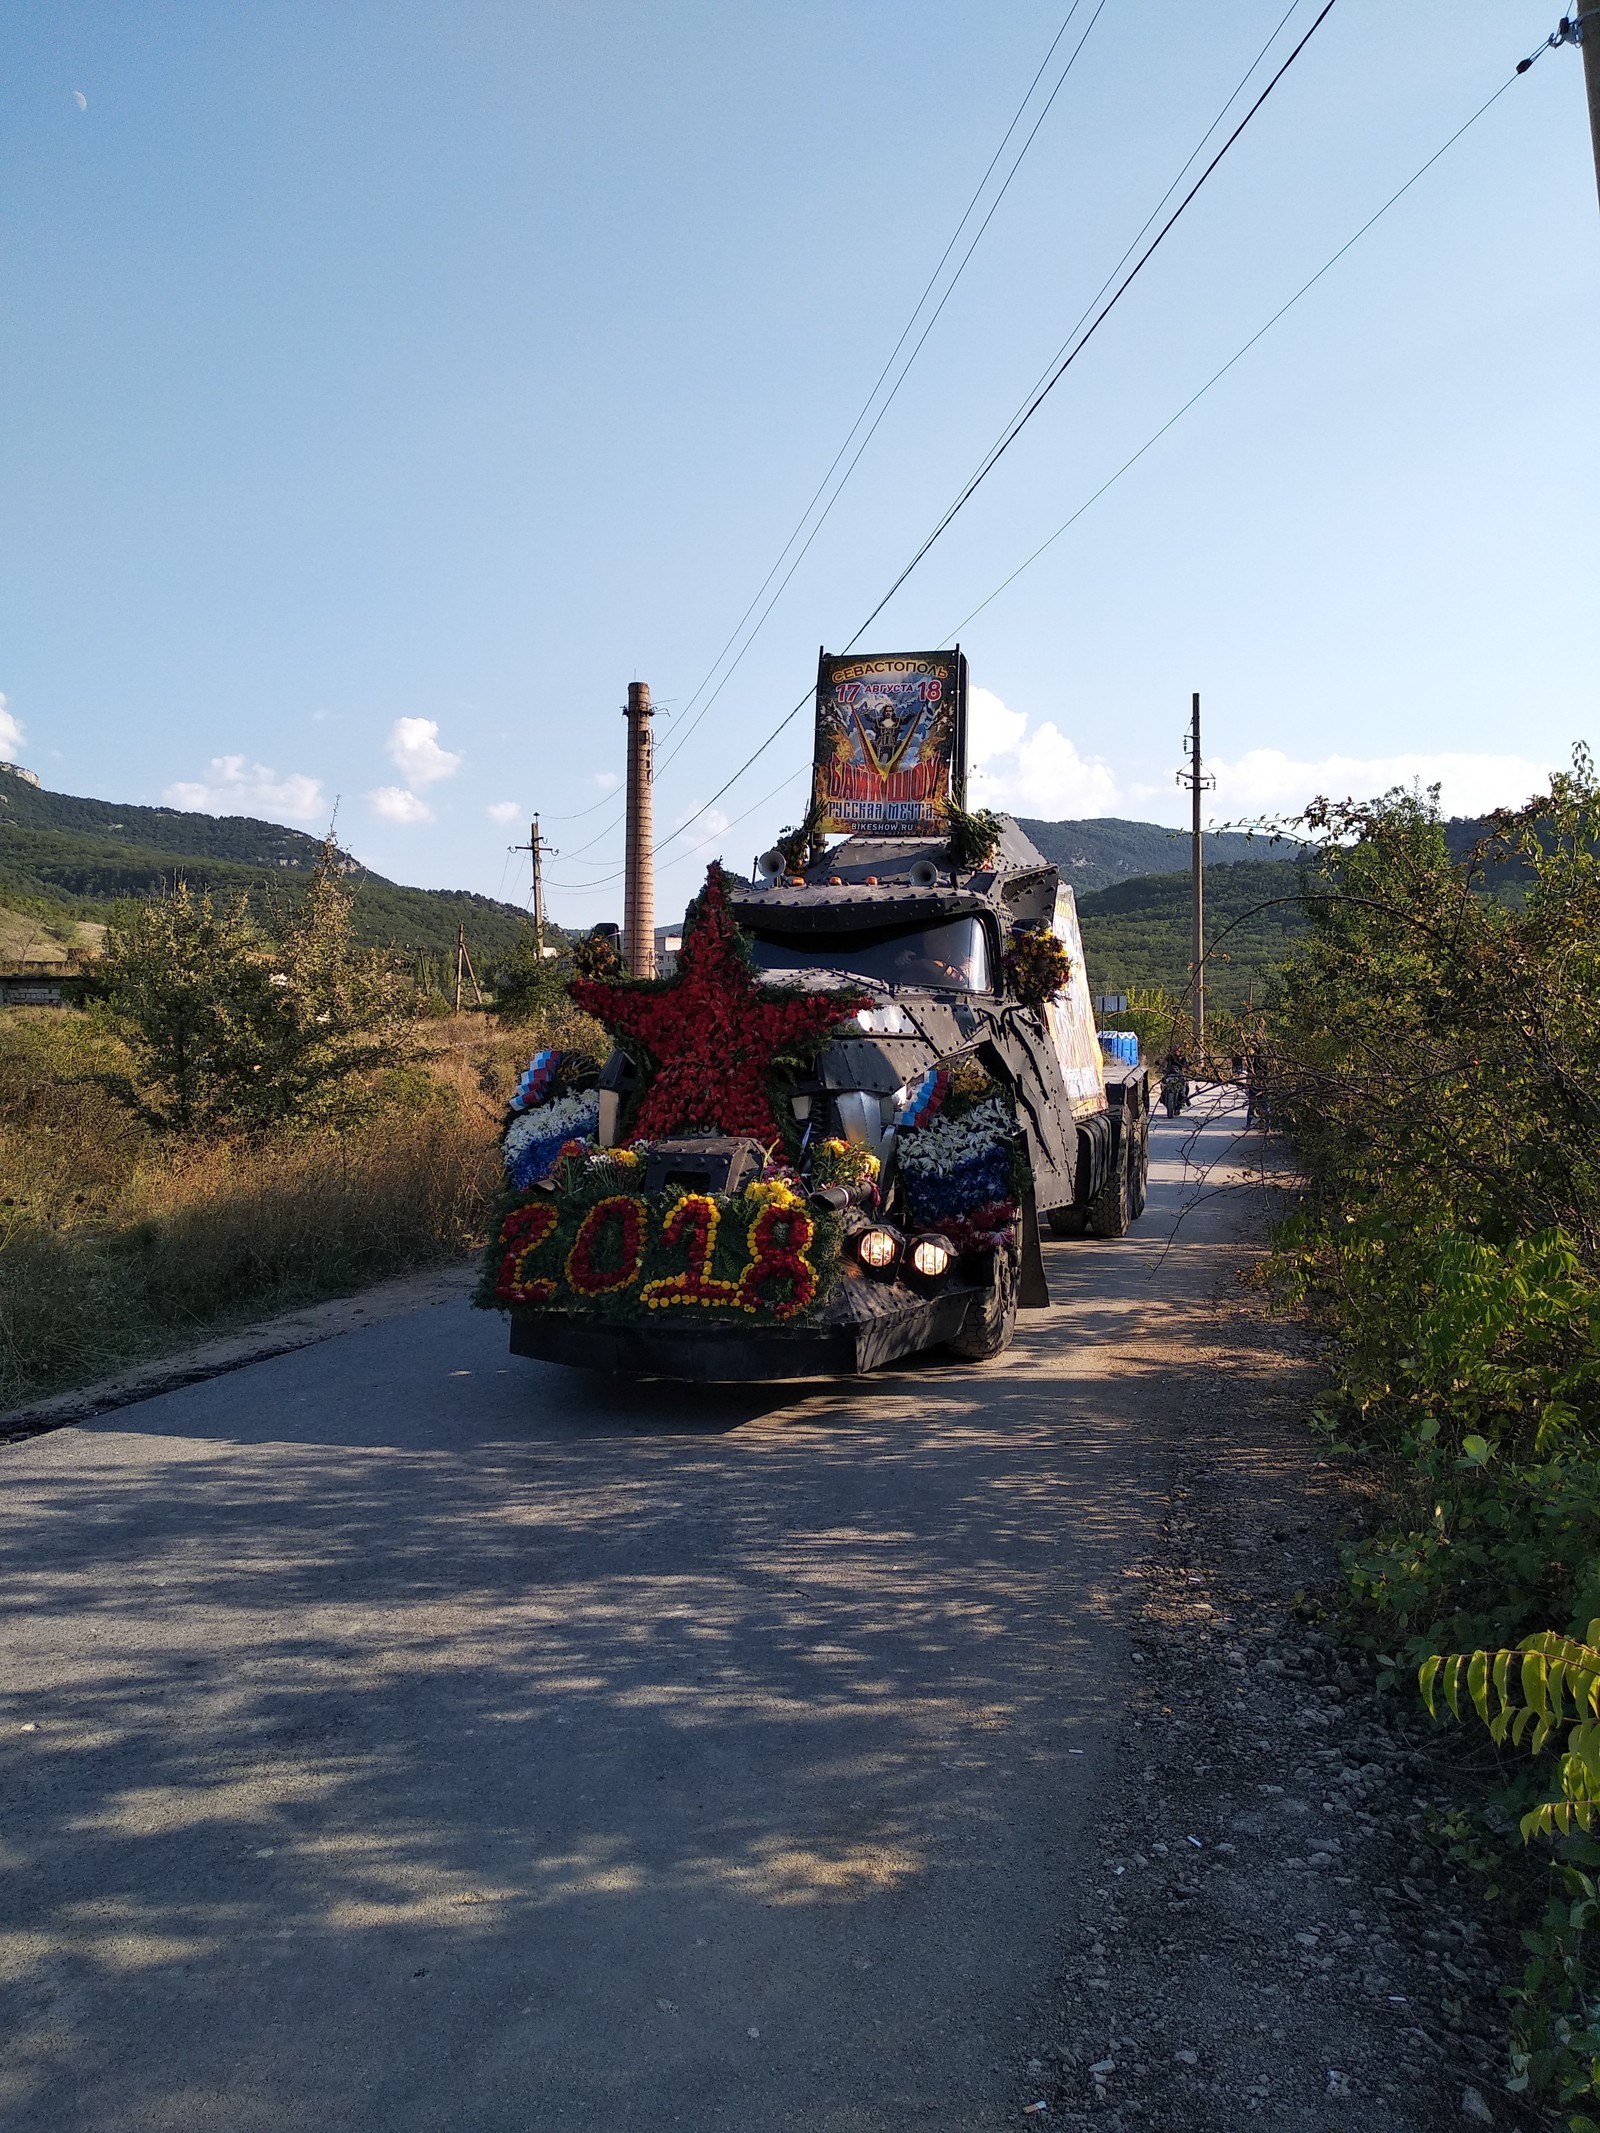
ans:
(890, 741)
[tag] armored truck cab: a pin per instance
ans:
(931, 942)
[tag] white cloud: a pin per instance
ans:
(607, 780)
(1038, 772)
(415, 752)
(699, 830)
(234, 786)
(1265, 781)
(503, 810)
(394, 804)
(11, 733)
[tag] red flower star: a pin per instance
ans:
(715, 1040)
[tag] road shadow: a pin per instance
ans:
(399, 1736)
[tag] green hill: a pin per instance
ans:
(1137, 932)
(1093, 854)
(78, 856)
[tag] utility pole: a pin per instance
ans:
(538, 851)
(464, 965)
(1197, 781)
(639, 880)
(1582, 29)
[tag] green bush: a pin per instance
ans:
(227, 1029)
(1434, 1052)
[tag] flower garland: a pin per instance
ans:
(543, 1072)
(780, 1238)
(716, 1048)
(533, 1142)
(692, 1227)
(612, 1229)
(599, 1246)
(1036, 966)
(960, 1174)
(924, 1099)
(521, 1235)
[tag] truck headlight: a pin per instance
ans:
(930, 1257)
(878, 1249)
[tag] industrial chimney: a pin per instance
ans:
(639, 892)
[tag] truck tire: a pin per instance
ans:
(1065, 1221)
(991, 1318)
(1139, 1183)
(1110, 1211)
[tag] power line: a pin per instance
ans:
(1019, 422)
(683, 737)
(1178, 178)
(802, 770)
(905, 368)
(1172, 420)
(1239, 354)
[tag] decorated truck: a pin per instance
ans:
(832, 1136)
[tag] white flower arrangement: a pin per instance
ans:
(569, 1118)
(944, 1144)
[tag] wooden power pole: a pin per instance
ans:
(464, 968)
(1582, 28)
(538, 851)
(639, 880)
(1197, 781)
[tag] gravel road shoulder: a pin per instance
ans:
(1268, 1934)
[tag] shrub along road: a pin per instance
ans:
(399, 1736)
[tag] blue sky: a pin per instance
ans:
(387, 386)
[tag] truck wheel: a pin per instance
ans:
(991, 1319)
(1139, 1184)
(1109, 1212)
(1065, 1221)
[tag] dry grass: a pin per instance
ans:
(116, 1244)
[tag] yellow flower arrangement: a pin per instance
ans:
(840, 1162)
(773, 1192)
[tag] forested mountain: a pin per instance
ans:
(1093, 854)
(81, 855)
(1137, 932)
(242, 838)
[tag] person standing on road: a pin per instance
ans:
(1174, 1083)
(1255, 1093)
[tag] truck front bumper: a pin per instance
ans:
(892, 1324)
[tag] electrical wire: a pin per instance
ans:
(800, 771)
(1015, 428)
(1239, 354)
(1305, 288)
(1193, 157)
(1194, 398)
(1019, 421)
(681, 739)
(916, 350)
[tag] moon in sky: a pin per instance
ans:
(80, 99)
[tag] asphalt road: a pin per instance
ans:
(396, 1737)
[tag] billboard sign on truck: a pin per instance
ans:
(891, 741)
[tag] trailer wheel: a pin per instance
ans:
(991, 1319)
(1110, 1211)
(1139, 1184)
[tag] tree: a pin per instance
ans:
(341, 1015)
(229, 1030)
(186, 978)
(527, 986)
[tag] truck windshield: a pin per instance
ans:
(951, 954)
